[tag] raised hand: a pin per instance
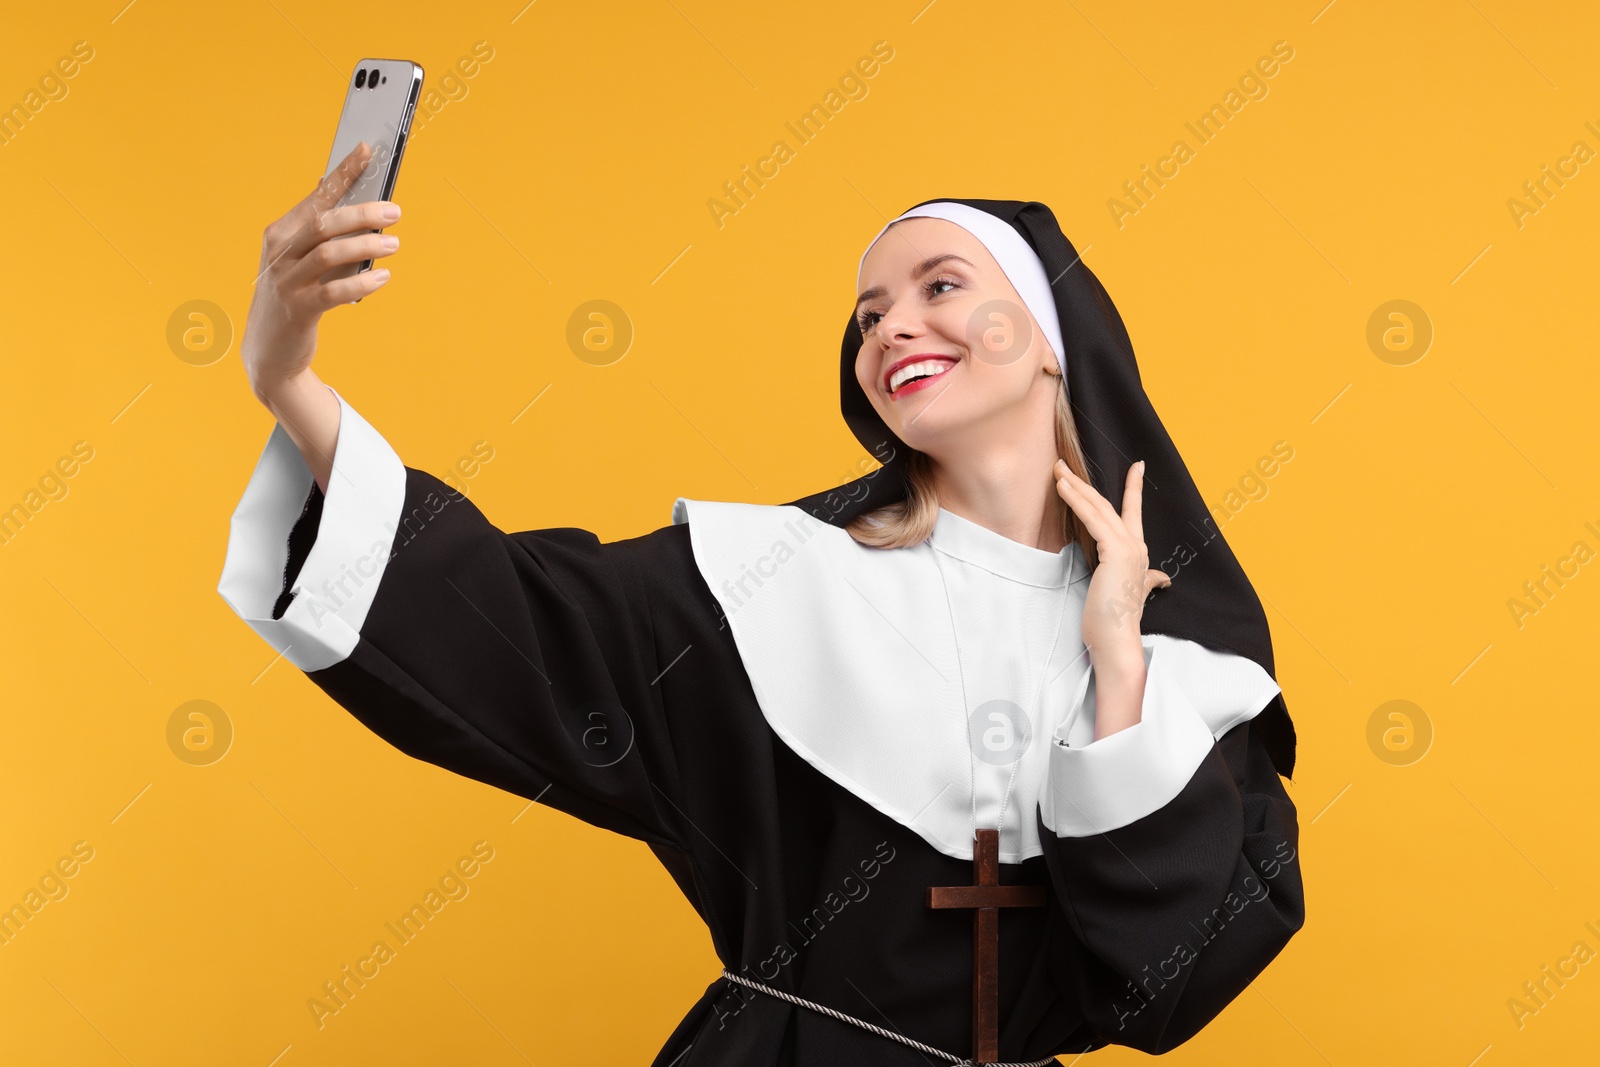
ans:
(1124, 577)
(297, 250)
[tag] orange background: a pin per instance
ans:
(1424, 490)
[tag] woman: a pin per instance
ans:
(823, 716)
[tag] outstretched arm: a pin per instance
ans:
(515, 659)
(523, 660)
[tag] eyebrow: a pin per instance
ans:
(916, 272)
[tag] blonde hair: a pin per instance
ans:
(910, 521)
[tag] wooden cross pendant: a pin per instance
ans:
(985, 897)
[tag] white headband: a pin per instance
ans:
(1016, 258)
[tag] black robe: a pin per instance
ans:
(602, 680)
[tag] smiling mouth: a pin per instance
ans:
(915, 376)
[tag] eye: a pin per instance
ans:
(865, 320)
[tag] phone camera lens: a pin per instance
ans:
(361, 77)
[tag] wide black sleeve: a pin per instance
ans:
(523, 660)
(1167, 918)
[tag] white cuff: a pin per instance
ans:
(340, 576)
(1192, 695)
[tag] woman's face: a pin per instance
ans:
(937, 304)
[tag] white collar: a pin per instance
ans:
(977, 544)
(852, 662)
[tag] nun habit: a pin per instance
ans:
(802, 728)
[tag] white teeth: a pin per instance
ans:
(912, 370)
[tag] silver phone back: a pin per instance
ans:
(381, 116)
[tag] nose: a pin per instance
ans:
(901, 322)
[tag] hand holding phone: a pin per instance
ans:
(319, 254)
(298, 252)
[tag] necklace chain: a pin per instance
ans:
(965, 710)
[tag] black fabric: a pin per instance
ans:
(302, 535)
(1210, 600)
(602, 680)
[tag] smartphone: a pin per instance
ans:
(377, 109)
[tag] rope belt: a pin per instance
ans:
(960, 1061)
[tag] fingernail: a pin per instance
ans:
(390, 242)
(1139, 466)
(391, 211)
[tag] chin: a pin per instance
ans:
(925, 428)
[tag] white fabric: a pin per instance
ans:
(1016, 257)
(335, 587)
(1191, 695)
(850, 654)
